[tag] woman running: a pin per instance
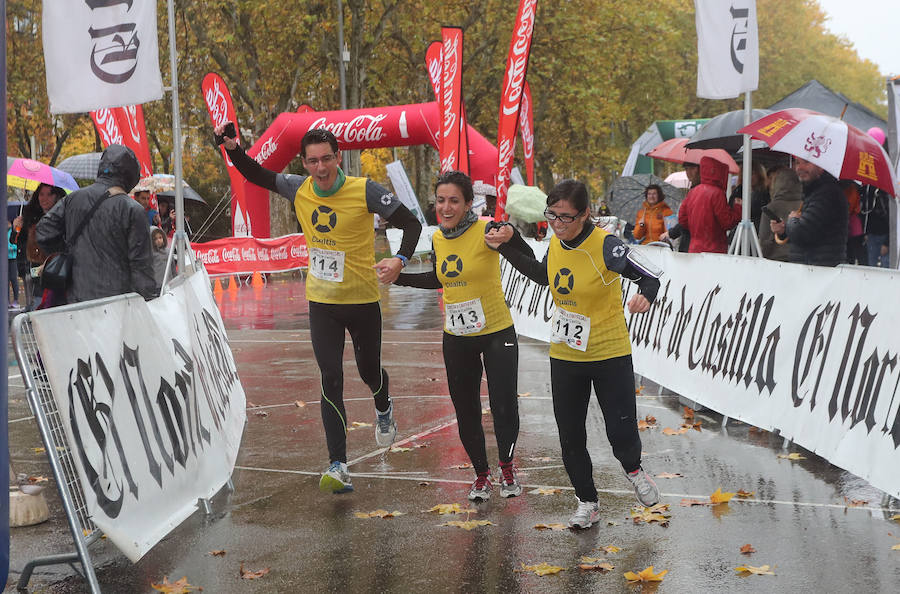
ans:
(477, 328)
(590, 343)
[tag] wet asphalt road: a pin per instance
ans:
(801, 519)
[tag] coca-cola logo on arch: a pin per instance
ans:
(362, 128)
(267, 149)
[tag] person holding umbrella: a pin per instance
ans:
(30, 256)
(651, 218)
(590, 342)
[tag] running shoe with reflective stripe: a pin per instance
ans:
(336, 479)
(481, 488)
(584, 517)
(646, 490)
(509, 484)
(385, 427)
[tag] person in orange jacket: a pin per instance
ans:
(650, 222)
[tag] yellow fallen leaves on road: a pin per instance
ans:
(688, 414)
(180, 587)
(378, 513)
(794, 456)
(648, 422)
(467, 524)
(747, 549)
(896, 547)
(299, 403)
(246, 574)
(895, 517)
(751, 570)
(689, 502)
(553, 526)
(543, 568)
(545, 491)
(670, 431)
(462, 466)
(745, 494)
(218, 553)
(609, 549)
(451, 508)
(719, 497)
(646, 575)
(651, 514)
(669, 475)
(358, 425)
(400, 449)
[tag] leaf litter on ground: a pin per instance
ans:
(646, 575)
(178, 587)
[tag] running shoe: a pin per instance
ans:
(385, 427)
(481, 488)
(336, 479)
(509, 484)
(646, 490)
(584, 517)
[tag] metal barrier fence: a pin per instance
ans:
(50, 425)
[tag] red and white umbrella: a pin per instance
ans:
(674, 151)
(834, 145)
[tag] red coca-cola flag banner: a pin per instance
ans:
(245, 219)
(134, 135)
(526, 128)
(245, 255)
(451, 98)
(434, 65)
(511, 94)
(107, 126)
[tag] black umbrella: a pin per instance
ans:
(626, 195)
(83, 166)
(721, 132)
(189, 194)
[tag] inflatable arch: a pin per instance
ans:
(377, 127)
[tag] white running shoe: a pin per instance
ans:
(587, 513)
(385, 427)
(646, 490)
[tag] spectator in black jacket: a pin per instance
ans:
(817, 233)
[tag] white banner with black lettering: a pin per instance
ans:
(153, 407)
(727, 48)
(808, 350)
(100, 54)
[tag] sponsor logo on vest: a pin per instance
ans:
(564, 281)
(324, 219)
(451, 266)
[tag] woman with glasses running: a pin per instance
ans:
(590, 343)
(477, 328)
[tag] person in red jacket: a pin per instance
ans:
(705, 212)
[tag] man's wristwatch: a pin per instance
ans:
(403, 259)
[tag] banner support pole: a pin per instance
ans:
(181, 240)
(745, 241)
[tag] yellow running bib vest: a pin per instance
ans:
(577, 283)
(468, 270)
(342, 227)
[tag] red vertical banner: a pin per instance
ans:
(451, 98)
(221, 110)
(526, 128)
(510, 98)
(134, 135)
(434, 64)
(107, 126)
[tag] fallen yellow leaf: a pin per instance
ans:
(400, 449)
(468, 524)
(180, 587)
(895, 517)
(690, 502)
(651, 514)
(378, 513)
(750, 570)
(545, 491)
(218, 553)
(360, 424)
(252, 575)
(745, 494)
(451, 508)
(609, 549)
(720, 497)
(524, 394)
(39, 450)
(462, 466)
(688, 413)
(670, 431)
(645, 575)
(554, 526)
(855, 502)
(299, 403)
(37, 479)
(747, 549)
(794, 456)
(669, 475)
(543, 568)
(639, 389)
(896, 547)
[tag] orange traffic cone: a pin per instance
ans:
(257, 281)
(217, 287)
(233, 284)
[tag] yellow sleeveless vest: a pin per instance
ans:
(469, 270)
(577, 283)
(340, 235)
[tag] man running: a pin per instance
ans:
(336, 214)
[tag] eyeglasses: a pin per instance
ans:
(552, 216)
(324, 159)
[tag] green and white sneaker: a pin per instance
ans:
(336, 479)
